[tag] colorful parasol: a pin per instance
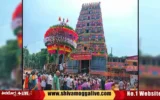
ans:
(61, 38)
(17, 24)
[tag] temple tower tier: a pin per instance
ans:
(91, 52)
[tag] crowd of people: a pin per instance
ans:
(61, 81)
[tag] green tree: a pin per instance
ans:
(37, 60)
(25, 57)
(9, 57)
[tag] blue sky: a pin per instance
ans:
(120, 29)
(119, 20)
(149, 25)
(7, 8)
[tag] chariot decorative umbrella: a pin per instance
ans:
(17, 24)
(60, 39)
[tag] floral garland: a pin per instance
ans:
(66, 26)
(54, 31)
(60, 48)
(66, 44)
(53, 40)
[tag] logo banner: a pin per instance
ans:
(80, 95)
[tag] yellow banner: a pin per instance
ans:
(79, 95)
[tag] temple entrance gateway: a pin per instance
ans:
(85, 66)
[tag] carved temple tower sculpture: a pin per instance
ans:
(91, 52)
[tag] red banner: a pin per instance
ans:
(81, 56)
(21, 95)
(137, 95)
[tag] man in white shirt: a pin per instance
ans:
(49, 82)
(99, 80)
(64, 64)
(24, 76)
(69, 86)
(46, 75)
(121, 85)
(61, 67)
(71, 82)
(13, 76)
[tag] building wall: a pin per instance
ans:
(149, 72)
(149, 66)
(122, 66)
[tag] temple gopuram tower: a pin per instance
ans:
(91, 53)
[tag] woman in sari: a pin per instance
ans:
(79, 86)
(34, 83)
(96, 85)
(39, 82)
(26, 82)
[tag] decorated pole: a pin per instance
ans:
(48, 58)
(63, 59)
(64, 46)
(57, 57)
